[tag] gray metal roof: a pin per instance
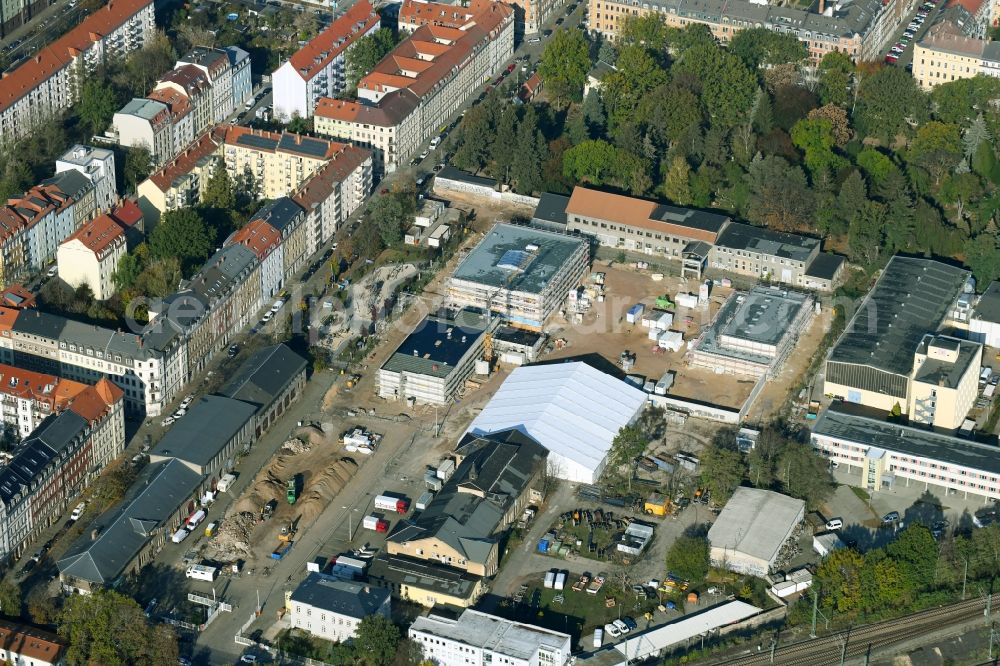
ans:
(762, 315)
(209, 425)
(143, 108)
(739, 236)
(343, 597)
(988, 307)
(756, 523)
(911, 298)
(551, 208)
(438, 344)
(53, 435)
(122, 532)
(264, 376)
(481, 265)
(824, 266)
(850, 423)
(943, 373)
(451, 173)
(92, 338)
(499, 467)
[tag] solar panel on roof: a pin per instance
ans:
(515, 260)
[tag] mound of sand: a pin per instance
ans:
(321, 488)
(296, 445)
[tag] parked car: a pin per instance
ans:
(630, 623)
(233, 350)
(834, 523)
(891, 517)
(78, 511)
(612, 630)
(621, 626)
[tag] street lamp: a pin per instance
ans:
(350, 532)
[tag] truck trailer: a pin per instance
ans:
(373, 523)
(387, 503)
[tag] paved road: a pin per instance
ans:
(907, 56)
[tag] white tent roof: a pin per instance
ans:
(571, 409)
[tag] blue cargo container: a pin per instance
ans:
(543, 546)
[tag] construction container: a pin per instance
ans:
(671, 340)
(446, 469)
(543, 546)
(432, 481)
(560, 581)
(634, 313)
(423, 501)
(550, 579)
(687, 300)
(657, 505)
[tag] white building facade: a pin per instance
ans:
(480, 639)
(98, 166)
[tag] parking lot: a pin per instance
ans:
(900, 52)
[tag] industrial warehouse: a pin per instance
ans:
(753, 332)
(521, 273)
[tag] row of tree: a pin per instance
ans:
(856, 154)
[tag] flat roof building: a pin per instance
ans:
(571, 409)
(984, 324)
(753, 332)
(480, 639)
(425, 582)
(879, 455)
(753, 526)
(524, 274)
(433, 362)
(877, 359)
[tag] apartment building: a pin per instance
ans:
(334, 192)
(27, 398)
(318, 69)
(859, 29)
(944, 58)
(23, 644)
(33, 225)
(416, 13)
(289, 220)
(98, 166)
(179, 183)
(91, 255)
(963, 18)
(265, 242)
(49, 83)
(479, 639)
(202, 90)
(441, 66)
(391, 130)
(56, 462)
(280, 163)
(890, 357)
(332, 609)
(761, 253)
(150, 368)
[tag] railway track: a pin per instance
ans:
(859, 640)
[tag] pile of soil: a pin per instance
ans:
(232, 541)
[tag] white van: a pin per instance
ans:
(435, 142)
(179, 536)
(226, 482)
(834, 524)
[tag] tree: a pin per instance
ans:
(804, 474)
(866, 233)
(564, 65)
(886, 100)
(688, 558)
(127, 272)
(592, 162)
(937, 148)
(10, 599)
(109, 628)
(138, 166)
(387, 216)
(526, 167)
(722, 469)
(815, 137)
(623, 90)
(875, 164)
(366, 53)
(376, 640)
(835, 73)
(647, 30)
(669, 111)
(677, 187)
(916, 552)
(219, 188)
(839, 578)
(958, 101)
(728, 88)
(607, 53)
(627, 445)
(779, 194)
(504, 144)
(593, 114)
(97, 104)
(183, 234)
(840, 126)
(758, 47)
(983, 256)
(690, 36)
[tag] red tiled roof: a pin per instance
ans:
(439, 49)
(94, 401)
(391, 109)
(58, 54)
(259, 237)
(421, 13)
(16, 296)
(175, 100)
(38, 387)
(99, 235)
(8, 316)
(204, 145)
(127, 213)
(324, 47)
(31, 643)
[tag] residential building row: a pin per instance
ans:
(90, 256)
(49, 83)
(945, 58)
(858, 29)
(700, 240)
(59, 458)
(277, 164)
(529, 15)
(22, 644)
(202, 90)
(184, 471)
(412, 92)
(319, 69)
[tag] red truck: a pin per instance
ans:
(373, 523)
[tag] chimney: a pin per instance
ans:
(822, 6)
